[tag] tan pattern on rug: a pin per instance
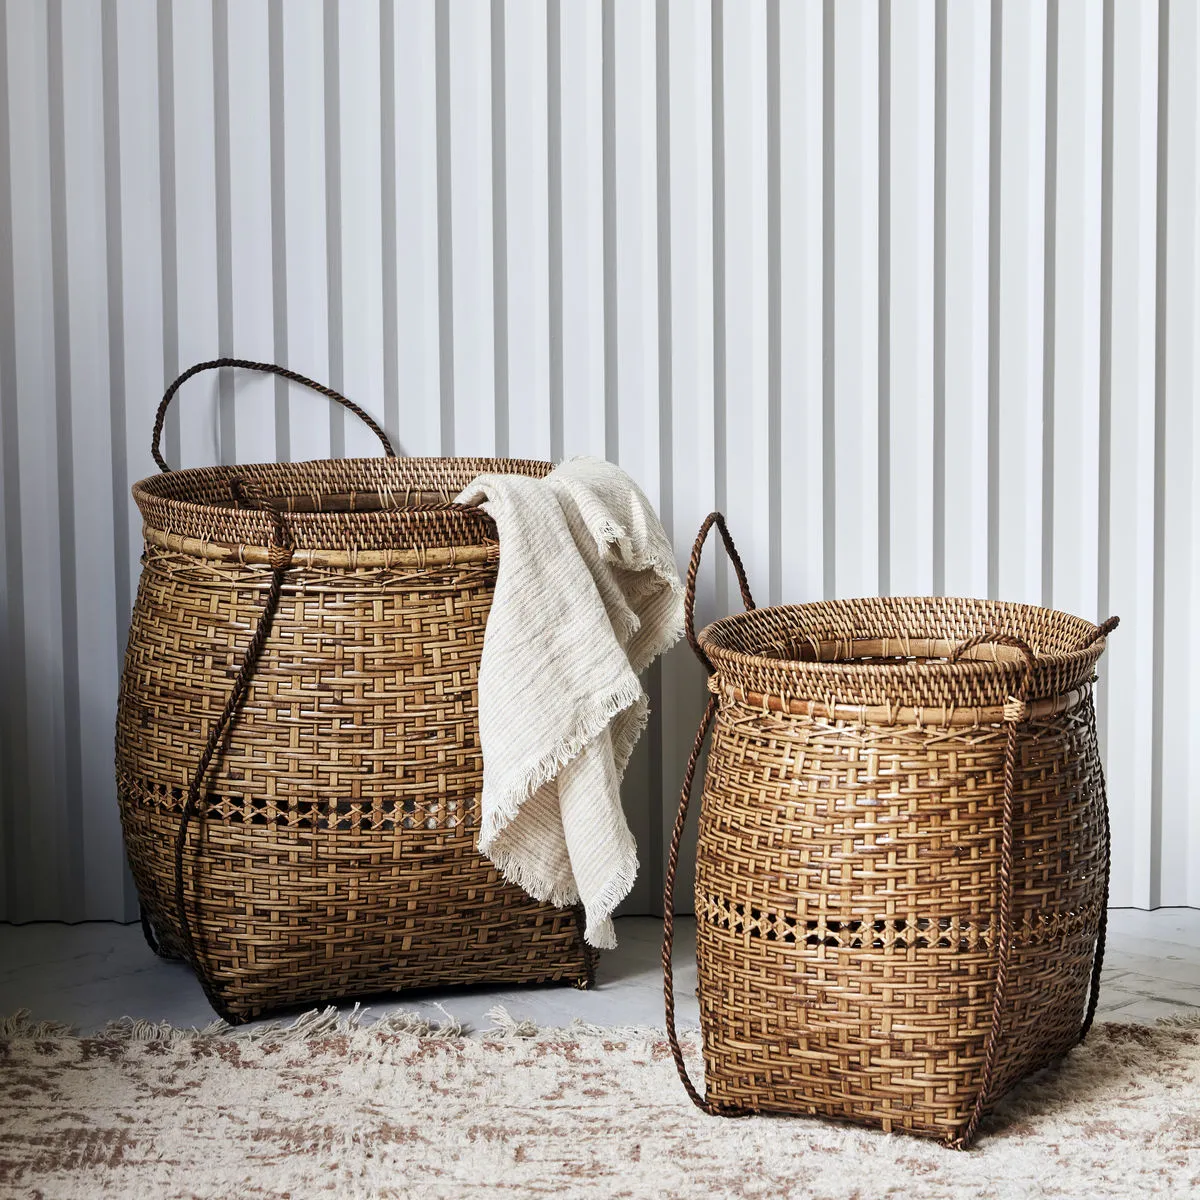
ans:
(404, 1110)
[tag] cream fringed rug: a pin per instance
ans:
(327, 1108)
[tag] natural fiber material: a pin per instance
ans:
(401, 1110)
(587, 597)
(315, 630)
(902, 861)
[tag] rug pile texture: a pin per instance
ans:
(331, 1106)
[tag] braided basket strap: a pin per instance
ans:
(689, 595)
(280, 559)
(701, 1102)
(1015, 713)
(271, 369)
(689, 608)
(1102, 630)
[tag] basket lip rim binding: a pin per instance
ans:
(462, 526)
(161, 486)
(719, 653)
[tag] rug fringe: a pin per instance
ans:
(1176, 1021)
(315, 1023)
(318, 1023)
(506, 1025)
(21, 1025)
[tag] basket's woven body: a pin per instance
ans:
(332, 849)
(867, 949)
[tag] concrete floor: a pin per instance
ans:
(88, 974)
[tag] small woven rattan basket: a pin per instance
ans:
(297, 750)
(902, 862)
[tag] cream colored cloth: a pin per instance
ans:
(587, 596)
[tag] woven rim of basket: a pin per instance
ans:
(192, 511)
(756, 654)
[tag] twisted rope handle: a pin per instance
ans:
(701, 1102)
(281, 556)
(689, 611)
(271, 369)
(689, 595)
(1013, 717)
(1101, 631)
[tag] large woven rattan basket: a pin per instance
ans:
(902, 863)
(298, 759)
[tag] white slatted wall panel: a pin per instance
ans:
(911, 290)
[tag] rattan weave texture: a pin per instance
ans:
(328, 850)
(902, 863)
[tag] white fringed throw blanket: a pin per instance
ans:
(587, 596)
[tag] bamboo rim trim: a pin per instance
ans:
(438, 556)
(962, 664)
(881, 714)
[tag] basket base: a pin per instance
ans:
(893, 1041)
(288, 918)
(236, 1002)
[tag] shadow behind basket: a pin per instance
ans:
(902, 864)
(329, 850)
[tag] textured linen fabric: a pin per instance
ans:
(587, 596)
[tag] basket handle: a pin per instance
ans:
(1101, 631)
(271, 369)
(689, 595)
(689, 616)
(1015, 712)
(701, 1102)
(281, 550)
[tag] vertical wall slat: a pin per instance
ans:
(582, 250)
(632, 324)
(38, 866)
(1018, 300)
(251, 303)
(1074, 537)
(93, 577)
(635, 318)
(304, 223)
(1179, 782)
(361, 229)
(416, 229)
(470, 214)
(965, 364)
(140, 264)
(12, 640)
(1180, 712)
(855, 238)
(70, 779)
(801, 185)
(195, 249)
(748, 499)
(527, 286)
(692, 447)
(909, 252)
(1130, 566)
